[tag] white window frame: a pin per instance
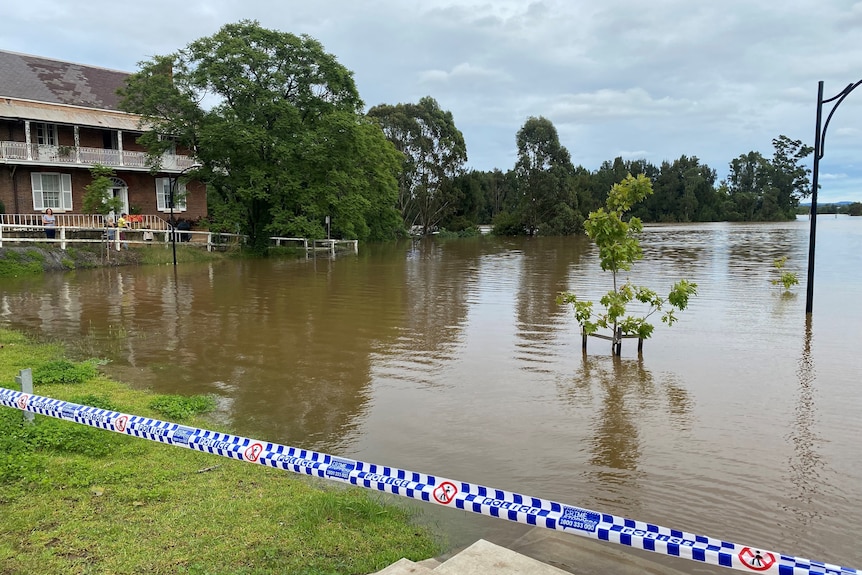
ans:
(163, 195)
(64, 198)
(46, 134)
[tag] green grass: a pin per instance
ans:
(179, 408)
(27, 262)
(20, 263)
(75, 499)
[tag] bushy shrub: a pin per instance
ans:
(178, 407)
(506, 224)
(63, 371)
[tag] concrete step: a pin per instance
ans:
(405, 567)
(481, 558)
(584, 556)
(429, 563)
(545, 552)
(484, 557)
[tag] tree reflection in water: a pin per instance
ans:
(621, 393)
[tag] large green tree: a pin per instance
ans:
(276, 122)
(748, 176)
(433, 154)
(760, 189)
(790, 177)
(545, 179)
(683, 192)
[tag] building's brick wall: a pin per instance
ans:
(142, 191)
(16, 192)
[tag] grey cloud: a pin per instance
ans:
(617, 77)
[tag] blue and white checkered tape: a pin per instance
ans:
(438, 490)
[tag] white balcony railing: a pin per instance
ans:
(142, 221)
(17, 152)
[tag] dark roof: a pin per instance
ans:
(53, 81)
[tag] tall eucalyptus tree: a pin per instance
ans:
(433, 154)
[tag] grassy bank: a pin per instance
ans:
(24, 261)
(75, 499)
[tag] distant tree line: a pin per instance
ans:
(848, 208)
(278, 127)
(556, 197)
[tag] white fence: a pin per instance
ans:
(91, 229)
(318, 245)
(18, 234)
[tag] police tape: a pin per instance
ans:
(432, 489)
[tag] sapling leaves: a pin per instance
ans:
(619, 248)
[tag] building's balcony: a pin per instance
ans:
(59, 156)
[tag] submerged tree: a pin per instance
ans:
(785, 278)
(619, 248)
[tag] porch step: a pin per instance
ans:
(481, 558)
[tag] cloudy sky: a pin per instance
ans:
(623, 78)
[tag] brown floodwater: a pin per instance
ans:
(742, 422)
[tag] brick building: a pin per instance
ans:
(57, 120)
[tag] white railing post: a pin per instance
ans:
(77, 144)
(62, 237)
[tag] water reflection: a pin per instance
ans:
(620, 397)
(439, 279)
(265, 336)
(453, 358)
(806, 467)
(544, 273)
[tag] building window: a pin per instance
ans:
(46, 134)
(111, 140)
(163, 195)
(51, 191)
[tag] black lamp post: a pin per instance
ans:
(171, 193)
(819, 143)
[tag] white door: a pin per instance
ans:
(123, 194)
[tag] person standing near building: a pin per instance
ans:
(111, 229)
(122, 224)
(50, 223)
